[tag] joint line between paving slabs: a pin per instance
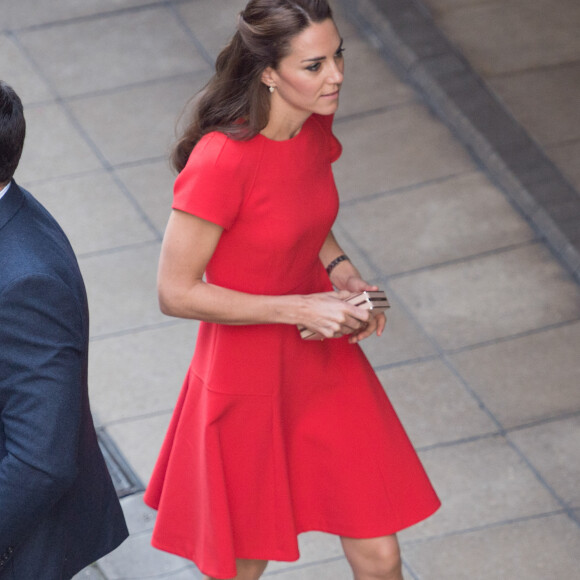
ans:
(61, 102)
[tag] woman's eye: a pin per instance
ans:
(339, 53)
(314, 67)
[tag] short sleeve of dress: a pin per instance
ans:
(334, 145)
(211, 185)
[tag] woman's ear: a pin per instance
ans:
(268, 77)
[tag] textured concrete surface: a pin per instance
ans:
(480, 358)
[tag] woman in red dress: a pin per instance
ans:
(274, 435)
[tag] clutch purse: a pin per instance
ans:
(369, 300)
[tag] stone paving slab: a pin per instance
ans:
(409, 37)
(109, 275)
(404, 340)
(415, 390)
(553, 448)
(566, 156)
(95, 213)
(144, 45)
(22, 15)
(442, 298)
(151, 185)
(533, 549)
(141, 439)
(500, 37)
(149, 112)
(136, 358)
(530, 93)
(437, 222)
(481, 483)
(50, 142)
(394, 149)
(534, 377)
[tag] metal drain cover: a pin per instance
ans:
(124, 478)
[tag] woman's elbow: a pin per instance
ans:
(168, 303)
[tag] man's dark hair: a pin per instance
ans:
(12, 131)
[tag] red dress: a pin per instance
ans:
(273, 435)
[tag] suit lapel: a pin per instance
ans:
(10, 203)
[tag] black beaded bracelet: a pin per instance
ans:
(336, 262)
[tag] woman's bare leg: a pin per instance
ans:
(247, 570)
(374, 558)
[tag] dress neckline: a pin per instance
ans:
(291, 139)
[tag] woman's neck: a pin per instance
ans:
(283, 127)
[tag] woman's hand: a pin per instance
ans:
(377, 319)
(345, 277)
(329, 315)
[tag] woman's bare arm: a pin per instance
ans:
(188, 245)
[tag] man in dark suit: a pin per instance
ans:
(59, 511)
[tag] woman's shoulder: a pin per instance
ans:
(217, 149)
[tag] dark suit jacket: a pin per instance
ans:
(59, 511)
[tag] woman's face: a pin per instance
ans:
(309, 78)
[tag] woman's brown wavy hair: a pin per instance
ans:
(235, 101)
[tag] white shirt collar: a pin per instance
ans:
(4, 190)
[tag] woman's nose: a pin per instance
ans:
(336, 75)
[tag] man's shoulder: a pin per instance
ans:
(32, 243)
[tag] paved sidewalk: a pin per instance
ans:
(481, 357)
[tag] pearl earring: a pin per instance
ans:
(271, 88)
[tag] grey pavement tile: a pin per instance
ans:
(400, 147)
(213, 22)
(314, 546)
(554, 450)
(19, 73)
(139, 373)
(503, 37)
(536, 549)
(438, 7)
(435, 223)
(402, 340)
(433, 405)
(112, 51)
(122, 289)
(90, 573)
(526, 379)
(26, 13)
(369, 82)
(490, 297)
(139, 517)
(544, 101)
(94, 212)
(346, 27)
(352, 249)
(189, 573)
(140, 441)
(566, 156)
(136, 559)
(54, 147)
(138, 122)
(479, 483)
(335, 570)
(151, 184)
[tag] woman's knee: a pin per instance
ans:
(250, 569)
(378, 558)
(247, 570)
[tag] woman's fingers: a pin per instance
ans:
(376, 324)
